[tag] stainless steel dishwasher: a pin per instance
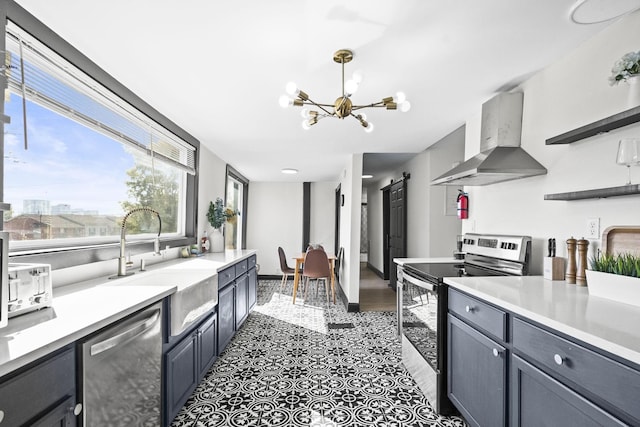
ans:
(121, 372)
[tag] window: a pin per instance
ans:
(77, 157)
(236, 195)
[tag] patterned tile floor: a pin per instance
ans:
(310, 364)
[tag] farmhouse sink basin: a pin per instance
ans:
(196, 293)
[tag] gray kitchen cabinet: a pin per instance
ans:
(237, 294)
(226, 316)
(42, 395)
(505, 369)
(242, 299)
(207, 344)
(540, 400)
(253, 282)
(477, 359)
(187, 363)
(583, 382)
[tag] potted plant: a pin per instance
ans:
(615, 277)
(217, 215)
(627, 69)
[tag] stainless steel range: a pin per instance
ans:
(422, 305)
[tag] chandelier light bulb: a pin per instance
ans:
(305, 113)
(285, 101)
(405, 106)
(351, 87)
(306, 125)
(292, 89)
(399, 98)
(369, 127)
(357, 76)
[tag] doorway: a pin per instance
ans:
(394, 203)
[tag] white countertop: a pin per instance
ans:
(569, 309)
(403, 261)
(83, 308)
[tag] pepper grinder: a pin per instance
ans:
(570, 277)
(581, 276)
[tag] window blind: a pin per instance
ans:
(55, 83)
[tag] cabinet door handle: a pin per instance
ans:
(496, 352)
(558, 359)
(469, 309)
(76, 409)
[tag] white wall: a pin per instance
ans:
(322, 216)
(568, 94)
(212, 172)
(351, 187)
(275, 220)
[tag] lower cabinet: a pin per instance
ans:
(540, 400)
(237, 295)
(242, 299)
(43, 395)
(477, 380)
(253, 288)
(226, 316)
(533, 376)
(186, 364)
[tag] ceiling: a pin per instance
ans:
(217, 68)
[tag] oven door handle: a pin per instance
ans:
(418, 282)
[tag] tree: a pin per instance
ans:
(155, 189)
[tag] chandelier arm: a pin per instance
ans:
(376, 104)
(320, 106)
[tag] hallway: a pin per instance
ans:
(375, 293)
(310, 364)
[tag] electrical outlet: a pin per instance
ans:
(593, 228)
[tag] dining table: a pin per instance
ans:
(296, 276)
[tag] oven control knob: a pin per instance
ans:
(469, 309)
(1, 415)
(558, 359)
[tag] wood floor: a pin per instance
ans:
(375, 293)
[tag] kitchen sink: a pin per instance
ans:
(196, 293)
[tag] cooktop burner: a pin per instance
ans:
(436, 271)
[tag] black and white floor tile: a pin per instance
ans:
(310, 364)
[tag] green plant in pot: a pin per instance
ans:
(624, 264)
(217, 214)
(615, 277)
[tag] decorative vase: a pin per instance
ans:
(625, 289)
(217, 240)
(633, 96)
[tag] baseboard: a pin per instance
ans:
(379, 273)
(271, 277)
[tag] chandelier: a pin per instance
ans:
(342, 107)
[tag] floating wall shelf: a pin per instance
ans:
(610, 123)
(600, 193)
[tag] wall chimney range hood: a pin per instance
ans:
(501, 158)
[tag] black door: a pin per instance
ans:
(397, 226)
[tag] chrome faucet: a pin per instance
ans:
(122, 262)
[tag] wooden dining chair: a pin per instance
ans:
(286, 270)
(316, 266)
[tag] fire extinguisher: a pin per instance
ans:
(463, 205)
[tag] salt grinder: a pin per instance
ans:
(581, 276)
(570, 276)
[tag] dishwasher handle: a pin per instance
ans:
(136, 329)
